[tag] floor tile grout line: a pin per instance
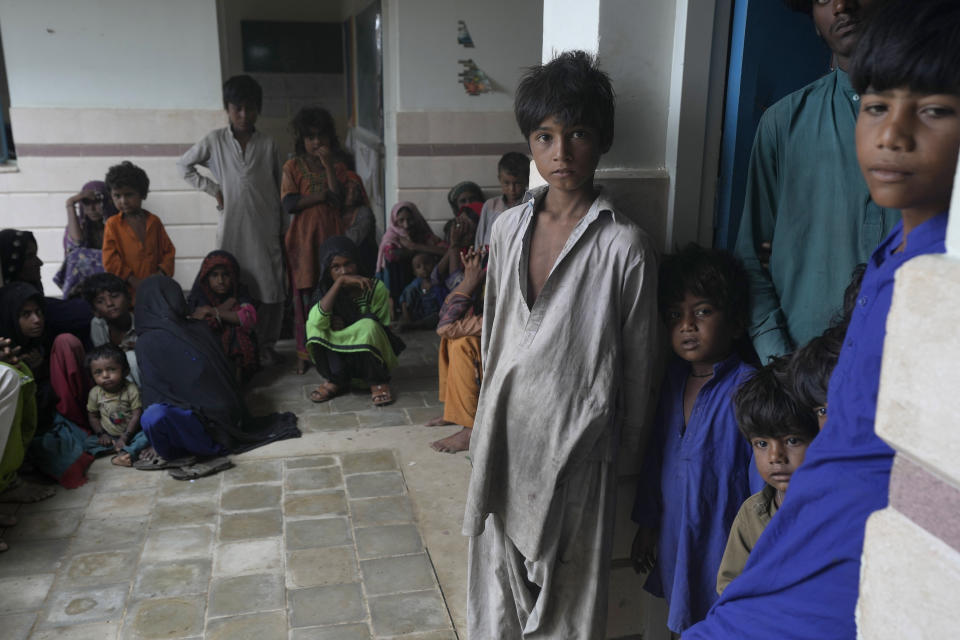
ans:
(356, 551)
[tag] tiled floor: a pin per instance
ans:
(319, 537)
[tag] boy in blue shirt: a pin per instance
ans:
(801, 581)
(695, 475)
(779, 427)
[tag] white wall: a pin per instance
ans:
(111, 53)
(284, 93)
(504, 32)
(636, 48)
(94, 82)
(570, 24)
(424, 103)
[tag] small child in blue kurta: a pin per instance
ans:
(695, 476)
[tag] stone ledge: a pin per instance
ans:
(916, 409)
(894, 602)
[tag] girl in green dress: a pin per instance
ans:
(348, 338)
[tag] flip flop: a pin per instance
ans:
(381, 395)
(201, 469)
(323, 393)
(156, 463)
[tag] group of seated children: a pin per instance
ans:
(716, 412)
(447, 288)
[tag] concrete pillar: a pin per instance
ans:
(910, 575)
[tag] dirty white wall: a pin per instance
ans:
(436, 134)
(94, 82)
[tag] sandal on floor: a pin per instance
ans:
(325, 392)
(156, 463)
(201, 469)
(381, 395)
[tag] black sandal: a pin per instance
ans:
(201, 469)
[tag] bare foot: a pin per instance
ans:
(460, 441)
(25, 492)
(438, 422)
(302, 366)
(122, 460)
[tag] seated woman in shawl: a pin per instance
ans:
(18, 423)
(194, 407)
(19, 263)
(219, 298)
(83, 238)
(61, 448)
(407, 235)
(347, 331)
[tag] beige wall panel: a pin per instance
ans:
(916, 410)
(68, 174)
(442, 172)
(440, 127)
(112, 126)
(909, 582)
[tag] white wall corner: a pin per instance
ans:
(570, 24)
(953, 228)
(695, 110)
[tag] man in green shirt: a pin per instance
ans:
(806, 198)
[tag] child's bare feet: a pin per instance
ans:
(460, 441)
(26, 492)
(302, 366)
(438, 422)
(122, 459)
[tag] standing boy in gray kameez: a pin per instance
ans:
(568, 345)
(247, 189)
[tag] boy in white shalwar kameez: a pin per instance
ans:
(568, 350)
(246, 185)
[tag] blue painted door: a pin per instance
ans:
(773, 52)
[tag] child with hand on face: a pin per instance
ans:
(317, 187)
(695, 473)
(347, 332)
(779, 430)
(114, 406)
(218, 297)
(421, 300)
(83, 239)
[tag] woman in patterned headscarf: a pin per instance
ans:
(83, 238)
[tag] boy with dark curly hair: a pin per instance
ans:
(135, 244)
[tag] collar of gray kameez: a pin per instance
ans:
(531, 199)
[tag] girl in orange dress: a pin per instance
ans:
(317, 186)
